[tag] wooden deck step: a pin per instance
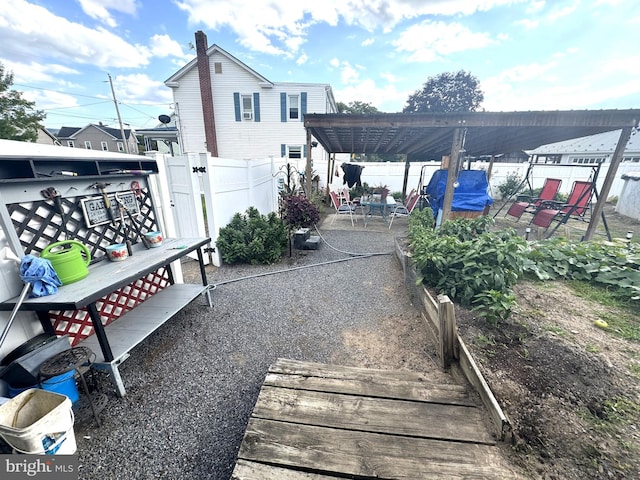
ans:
(319, 422)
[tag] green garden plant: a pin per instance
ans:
(462, 260)
(253, 238)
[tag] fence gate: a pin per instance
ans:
(185, 200)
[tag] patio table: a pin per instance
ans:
(373, 206)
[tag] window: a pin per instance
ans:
(587, 160)
(295, 152)
(105, 147)
(120, 147)
(247, 107)
(87, 144)
(217, 67)
(70, 143)
(294, 107)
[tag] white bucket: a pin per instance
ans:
(38, 422)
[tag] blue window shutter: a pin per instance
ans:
(304, 150)
(283, 150)
(236, 104)
(303, 105)
(283, 107)
(256, 107)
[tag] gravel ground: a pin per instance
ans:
(192, 385)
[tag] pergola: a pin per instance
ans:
(430, 136)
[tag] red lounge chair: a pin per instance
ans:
(576, 206)
(548, 193)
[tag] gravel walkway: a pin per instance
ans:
(192, 385)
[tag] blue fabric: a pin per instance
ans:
(40, 274)
(472, 193)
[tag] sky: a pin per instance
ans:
(527, 55)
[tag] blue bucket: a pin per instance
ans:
(64, 384)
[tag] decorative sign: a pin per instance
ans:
(95, 212)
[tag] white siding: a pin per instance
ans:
(243, 139)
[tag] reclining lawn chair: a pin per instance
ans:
(402, 210)
(531, 205)
(342, 205)
(576, 207)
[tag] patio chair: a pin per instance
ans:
(576, 207)
(342, 206)
(530, 205)
(402, 210)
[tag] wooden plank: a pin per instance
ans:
(375, 387)
(353, 412)
(446, 320)
(364, 454)
(473, 374)
(259, 471)
(310, 369)
(430, 306)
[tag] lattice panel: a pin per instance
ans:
(39, 224)
(77, 323)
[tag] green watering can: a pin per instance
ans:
(69, 259)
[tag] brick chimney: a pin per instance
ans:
(206, 93)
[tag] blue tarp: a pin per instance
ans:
(472, 193)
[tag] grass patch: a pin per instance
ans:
(593, 349)
(621, 316)
(556, 330)
(635, 369)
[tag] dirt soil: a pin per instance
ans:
(570, 389)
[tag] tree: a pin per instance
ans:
(356, 107)
(447, 92)
(18, 118)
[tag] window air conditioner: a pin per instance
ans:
(247, 115)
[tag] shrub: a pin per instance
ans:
(511, 185)
(253, 238)
(299, 212)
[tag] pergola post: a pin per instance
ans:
(452, 171)
(307, 170)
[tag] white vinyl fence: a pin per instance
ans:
(232, 186)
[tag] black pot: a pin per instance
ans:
(27, 347)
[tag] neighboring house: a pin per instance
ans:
(163, 137)
(588, 150)
(253, 117)
(98, 137)
(45, 137)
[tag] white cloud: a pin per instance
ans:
(368, 42)
(141, 89)
(98, 10)
(302, 59)
(280, 26)
(429, 41)
(385, 99)
(72, 42)
(334, 62)
(37, 72)
(164, 46)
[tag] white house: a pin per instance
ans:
(588, 150)
(248, 116)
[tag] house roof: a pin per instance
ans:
(210, 51)
(600, 143)
(72, 132)
(430, 136)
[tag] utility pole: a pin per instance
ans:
(115, 102)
